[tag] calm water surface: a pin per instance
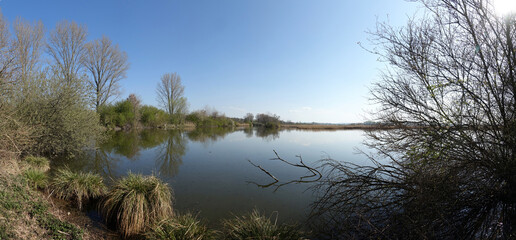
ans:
(209, 172)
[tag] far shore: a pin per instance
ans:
(337, 126)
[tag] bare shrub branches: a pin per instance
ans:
(451, 72)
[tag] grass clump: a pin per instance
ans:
(181, 227)
(36, 178)
(136, 202)
(40, 163)
(77, 186)
(259, 227)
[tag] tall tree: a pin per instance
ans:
(107, 66)
(66, 48)
(7, 57)
(170, 95)
(29, 40)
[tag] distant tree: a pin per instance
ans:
(248, 117)
(66, 48)
(268, 120)
(171, 96)
(107, 66)
(135, 108)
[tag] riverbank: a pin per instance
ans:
(27, 213)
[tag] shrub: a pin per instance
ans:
(59, 115)
(121, 114)
(181, 227)
(40, 163)
(78, 186)
(136, 202)
(257, 226)
(37, 178)
(152, 116)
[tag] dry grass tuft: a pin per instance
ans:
(136, 202)
(259, 227)
(78, 186)
(181, 227)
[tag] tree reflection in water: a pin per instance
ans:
(267, 134)
(171, 152)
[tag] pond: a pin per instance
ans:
(209, 171)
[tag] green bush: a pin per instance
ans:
(136, 202)
(152, 116)
(257, 226)
(181, 227)
(37, 178)
(77, 186)
(202, 120)
(120, 114)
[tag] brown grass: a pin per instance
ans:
(136, 202)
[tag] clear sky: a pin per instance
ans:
(298, 59)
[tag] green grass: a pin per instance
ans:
(57, 229)
(40, 163)
(36, 178)
(77, 186)
(135, 202)
(24, 213)
(181, 227)
(259, 227)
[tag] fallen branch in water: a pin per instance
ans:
(265, 171)
(277, 182)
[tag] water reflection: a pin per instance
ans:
(267, 134)
(208, 135)
(208, 169)
(170, 153)
(249, 132)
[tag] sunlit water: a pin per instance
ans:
(210, 174)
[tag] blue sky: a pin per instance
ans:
(298, 59)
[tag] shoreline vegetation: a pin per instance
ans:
(53, 206)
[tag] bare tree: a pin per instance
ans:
(29, 40)
(448, 171)
(66, 48)
(7, 57)
(170, 94)
(249, 117)
(107, 65)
